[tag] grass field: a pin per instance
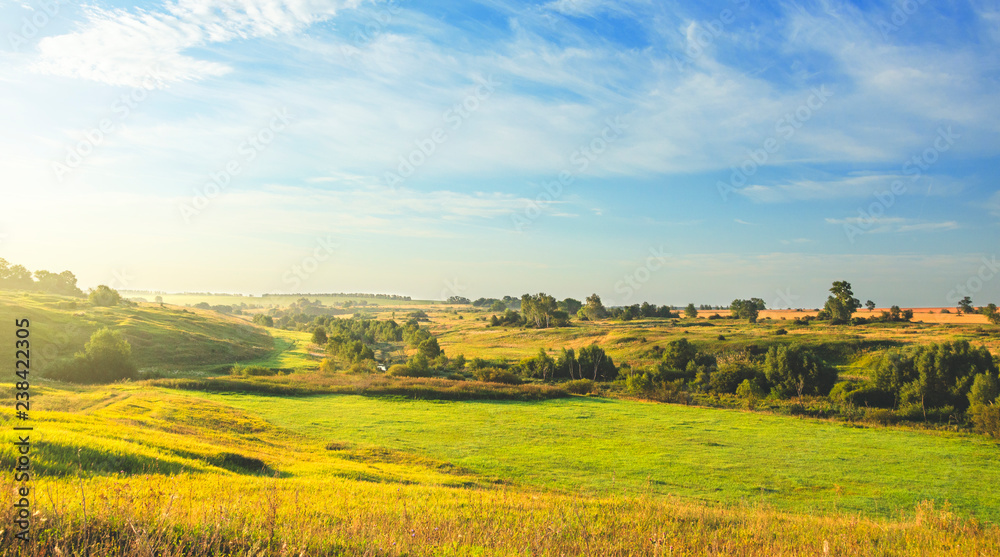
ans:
(126, 468)
(598, 446)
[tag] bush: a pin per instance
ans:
(580, 386)
(497, 375)
(319, 336)
(263, 320)
(986, 420)
(106, 358)
(730, 375)
(401, 370)
(251, 371)
(104, 296)
(781, 332)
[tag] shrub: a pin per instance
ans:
(781, 332)
(263, 320)
(107, 357)
(750, 390)
(319, 336)
(407, 370)
(729, 375)
(104, 296)
(986, 419)
(398, 370)
(497, 375)
(580, 386)
(252, 371)
(797, 371)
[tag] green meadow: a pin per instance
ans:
(598, 446)
(231, 466)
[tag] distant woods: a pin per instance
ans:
(17, 277)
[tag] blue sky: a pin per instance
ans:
(706, 151)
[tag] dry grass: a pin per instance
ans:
(202, 515)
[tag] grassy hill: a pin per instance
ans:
(124, 469)
(163, 338)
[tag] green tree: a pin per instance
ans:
(842, 304)
(965, 305)
(747, 309)
(104, 296)
(985, 390)
(991, 313)
(792, 370)
(571, 306)
(690, 311)
(15, 277)
(498, 306)
(430, 348)
(870, 305)
(107, 357)
(594, 309)
(62, 283)
(319, 336)
(539, 309)
(593, 362)
(263, 320)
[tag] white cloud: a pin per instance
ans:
(122, 47)
(850, 187)
(882, 225)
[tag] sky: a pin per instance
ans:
(659, 151)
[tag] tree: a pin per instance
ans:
(870, 305)
(539, 309)
(594, 309)
(991, 313)
(430, 348)
(796, 371)
(458, 300)
(107, 357)
(263, 320)
(498, 306)
(842, 304)
(985, 389)
(62, 283)
(595, 363)
(965, 305)
(15, 277)
(571, 306)
(690, 311)
(747, 309)
(104, 296)
(319, 336)
(159, 300)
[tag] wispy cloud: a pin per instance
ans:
(122, 47)
(894, 224)
(846, 187)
